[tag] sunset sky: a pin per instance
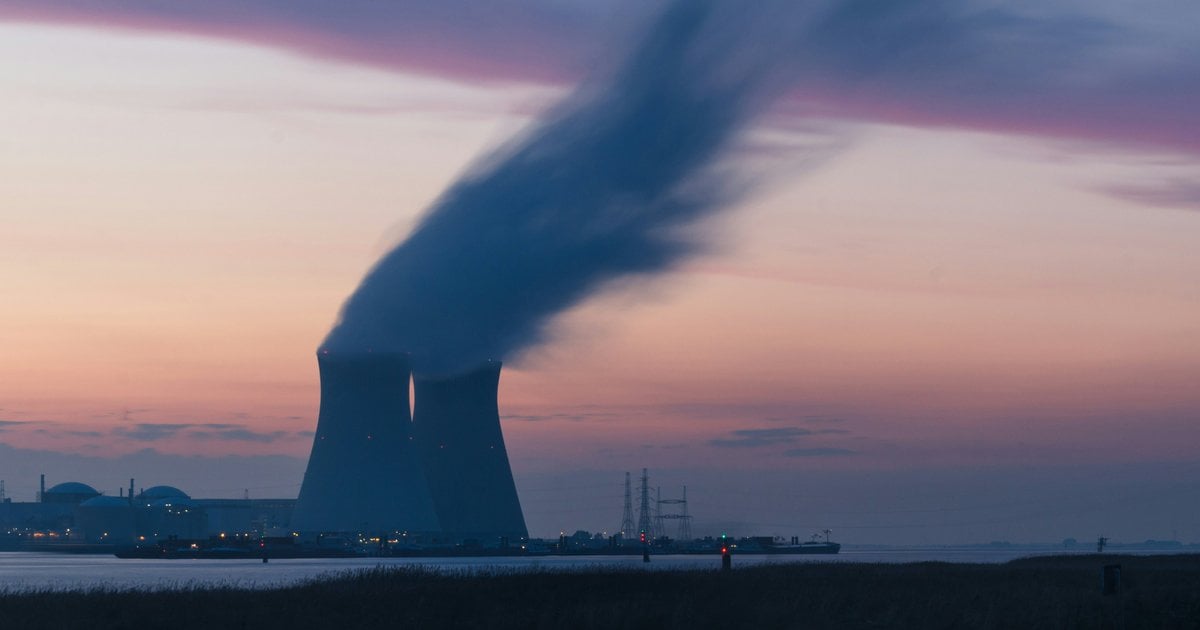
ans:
(958, 304)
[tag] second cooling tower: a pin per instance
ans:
(456, 423)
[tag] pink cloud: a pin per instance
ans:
(933, 63)
(459, 38)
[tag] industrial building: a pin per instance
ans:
(76, 513)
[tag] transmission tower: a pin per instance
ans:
(2, 497)
(685, 519)
(644, 509)
(627, 518)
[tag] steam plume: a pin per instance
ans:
(597, 190)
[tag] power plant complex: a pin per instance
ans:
(435, 476)
(440, 471)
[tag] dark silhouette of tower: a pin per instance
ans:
(364, 474)
(456, 423)
(627, 517)
(644, 509)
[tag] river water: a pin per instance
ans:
(22, 571)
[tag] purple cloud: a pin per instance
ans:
(241, 434)
(817, 452)
(1175, 193)
(220, 431)
(519, 39)
(151, 431)
(755, 438)
(1093, 71)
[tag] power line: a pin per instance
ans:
(685, 519)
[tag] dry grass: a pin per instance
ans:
(1051, 592)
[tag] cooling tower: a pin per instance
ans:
(457, 425)
(363, 474)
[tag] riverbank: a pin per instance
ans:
(1044, 592)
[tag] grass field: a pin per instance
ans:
(1047, 592)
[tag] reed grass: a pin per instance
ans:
(1044, 592)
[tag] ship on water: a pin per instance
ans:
(777, 545)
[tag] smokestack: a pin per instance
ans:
(456, 422)
(42, 490)
(363, 474)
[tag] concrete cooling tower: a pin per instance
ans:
(364, 474)
(456, 422)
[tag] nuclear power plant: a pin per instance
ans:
(595, 191)
(441, 471)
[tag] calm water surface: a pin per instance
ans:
(22, 571)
